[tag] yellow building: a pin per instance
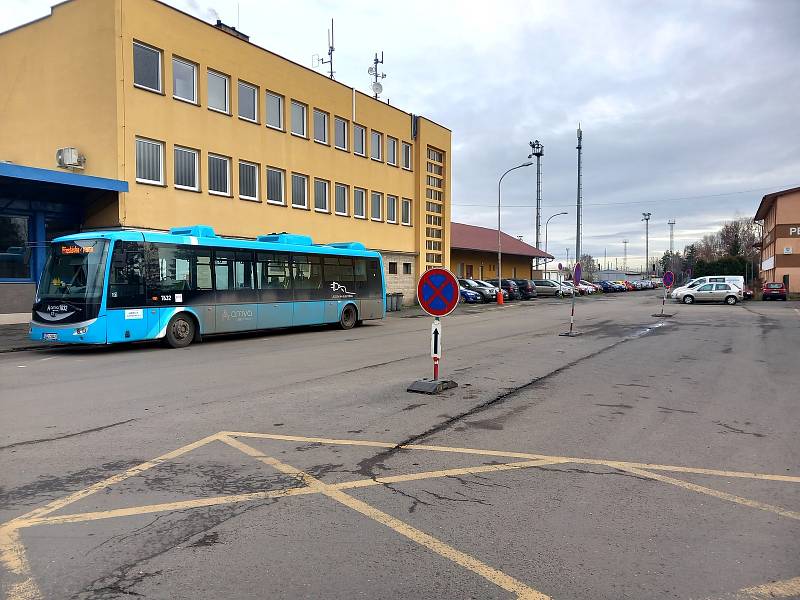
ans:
(206, 127)
(779, 213)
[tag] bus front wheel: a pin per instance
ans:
(349, 317)
(180, 331)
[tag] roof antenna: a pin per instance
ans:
(376, 86)
(317, 61)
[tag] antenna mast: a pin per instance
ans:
(330, 52)
(376, 86)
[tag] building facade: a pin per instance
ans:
(473, 253)
(779, 213)
(206, 127)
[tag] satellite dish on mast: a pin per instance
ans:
(371, 70)
(377, 88)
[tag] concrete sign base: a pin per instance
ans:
(431, 386)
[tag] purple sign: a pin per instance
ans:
(576, 277)
(668, 279)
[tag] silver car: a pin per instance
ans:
(711, 292)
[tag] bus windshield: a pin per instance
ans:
(74, 271)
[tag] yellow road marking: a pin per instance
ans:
(777, 589)
(497, 577)
(704, 490)
(12, 557)
(524, 455)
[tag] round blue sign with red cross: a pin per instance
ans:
(668, 279)
(437, 292)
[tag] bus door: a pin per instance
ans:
(237, 296)
(274, 289)
(128, 318)
(309, 295)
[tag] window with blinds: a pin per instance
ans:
(391, 209)
(359, 203)
(274, 111)
(299, 190)
(341, 199)
(149, 161)
(219, 176)
(321, 195)
(248, 181)
(405, 213)
(376, 207)
(186, 169)
(275, 178)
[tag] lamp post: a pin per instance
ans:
(537, 150)
(646, 219)
(545, 233)
(499, 248)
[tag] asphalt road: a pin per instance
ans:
(646, 458)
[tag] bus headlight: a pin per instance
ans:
(81, 330)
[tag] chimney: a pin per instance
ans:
(232, 31)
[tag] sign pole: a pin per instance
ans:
(436, 342)
(576, 277)
(668, 279)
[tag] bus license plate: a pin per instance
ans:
(50, 336)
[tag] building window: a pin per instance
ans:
(275, 186)
(433, 207)
(341, 199)
(376, 207)
(218, 96)
(391, 151)
(405, 212)
(406, 268)
(359, 140)
(274, 111)
(219, 175)
(376, 146)
(359, 203)
(340, 133)
(248, 181)
(392, 268)
(186, 166)
(435, 169)
(248, 102)
(434, 181)
(433, 220)
(436, 155)
(299, 191)
(14, 249)
(406, 156)
(184, 80)
(299, 118)
(146, 67)
(149, 161)
(320, 126)
(321, 195)
(391, 209)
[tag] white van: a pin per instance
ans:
(736, 280)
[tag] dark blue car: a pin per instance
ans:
(469, 296)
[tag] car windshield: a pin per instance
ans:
(468, 282)
(74, 271)
(482, 283)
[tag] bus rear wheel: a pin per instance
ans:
(349, 317)
(180, 331)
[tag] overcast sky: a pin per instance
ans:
(690, 110)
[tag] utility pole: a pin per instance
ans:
(671, 224)
(578, 223)
(646, 219)
(537, 150)
(625, 255)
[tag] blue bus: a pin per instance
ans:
(105, 287)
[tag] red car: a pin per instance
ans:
(771, 291)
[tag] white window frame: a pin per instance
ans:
(194, 77)
(257, 169)
(372, 135)
(196, 153)
(283, 186)
(161, 169)
(346, 188)
(403, 202)
(227, 160)
(160, 89)
(327, 208)
(240, 83)
(327, 118)
(363, 129)
(371, 198)
(282, 126)
(389, 142)
(227, 80)
(405, 145)
(305, 119)
(388, 200)
(363, 214)
(346, 133)
(305, 181)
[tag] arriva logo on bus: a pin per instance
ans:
(237, 314)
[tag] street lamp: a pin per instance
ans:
(537, 150)
(545, 235)
(646, 219)
(499, 250)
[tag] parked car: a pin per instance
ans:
(736, 280)
(712, 292)
(595, 286)
(509, 286)
(494, 287)
(607, 287)
(488, 293)
(469, 296)
(572, 288)
(773, 291)
(546, 287)
(566, 288)
(527, 288)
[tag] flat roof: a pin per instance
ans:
(22, 172)
(768, 200)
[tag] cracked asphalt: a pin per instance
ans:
(713, 387)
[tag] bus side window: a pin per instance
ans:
(126, 283)
(272, 273)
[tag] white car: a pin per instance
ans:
(693, 284)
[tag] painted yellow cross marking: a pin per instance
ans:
(23, 586)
